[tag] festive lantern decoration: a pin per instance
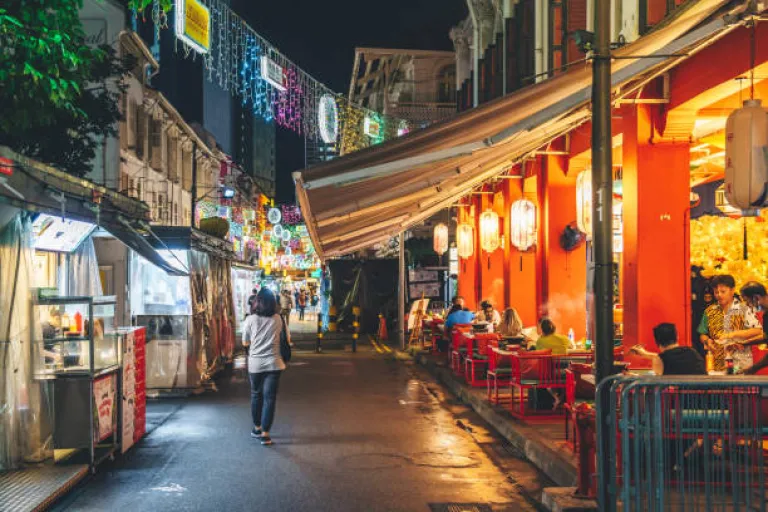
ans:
(274, 216)
(440, 239)
(584, 202)
(465, 242)
(522, 224)
(277, 231)
(746, 170)
(489, 231)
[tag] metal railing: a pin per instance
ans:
(683, 443)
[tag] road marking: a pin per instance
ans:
(375, 344)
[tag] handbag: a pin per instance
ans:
(285, 348)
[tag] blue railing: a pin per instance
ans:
(683, 443)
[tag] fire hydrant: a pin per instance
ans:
(586, 430)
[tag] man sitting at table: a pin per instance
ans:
(549, 339)
(459, 317)
(672, 359)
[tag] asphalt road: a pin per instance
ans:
(353, 432)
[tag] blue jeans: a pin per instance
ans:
(264, 398)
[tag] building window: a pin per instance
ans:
(155, 146)
(446, 84)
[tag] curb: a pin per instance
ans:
(523, 437)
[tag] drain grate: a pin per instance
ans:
(459, 507)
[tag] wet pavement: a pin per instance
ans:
(353, 432)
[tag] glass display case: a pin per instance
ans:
(74, 336)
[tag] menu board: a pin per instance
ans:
(418, 290)
(418, 276)
(52, 233)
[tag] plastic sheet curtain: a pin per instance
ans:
(223, 308)
(199, 267)
(82, 277)
(25, 433)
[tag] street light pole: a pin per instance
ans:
(602, 195)
(602, 220)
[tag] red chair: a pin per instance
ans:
(436, 333)
(499, 372)
(477, 356)
(536, 370)
(459, 336)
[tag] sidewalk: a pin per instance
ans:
(542, 441)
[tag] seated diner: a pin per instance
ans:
(550, 340)
(488, 315)
(672, 359)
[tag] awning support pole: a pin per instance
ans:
(401, 292)
(194, 184)
(602, 210)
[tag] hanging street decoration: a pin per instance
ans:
(328, 119)
(275, 89)
(274, 216)
(256, 239)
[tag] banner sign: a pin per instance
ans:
(104, 392)
(272, 72)
(193, 24)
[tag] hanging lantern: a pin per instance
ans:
(746, 170)
(489, 231)
(277, 231)
(465, 242)
(440, 239)
(584, 202)
(522, 224)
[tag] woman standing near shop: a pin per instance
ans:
(261, 334)
(726, 322)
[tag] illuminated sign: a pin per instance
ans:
(272, 72)
(57, 234)
(371, 128)
(328, 119)
(193, 24)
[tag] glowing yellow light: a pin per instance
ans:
(584, 202)
(489, 231)
(522, 224)
(440, 239)
(465, 243)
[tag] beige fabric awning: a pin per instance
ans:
(367, 197)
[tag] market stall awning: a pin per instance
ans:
(141, 244)
(364, 198)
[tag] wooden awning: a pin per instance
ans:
(367, 197)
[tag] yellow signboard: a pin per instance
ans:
(193, 24)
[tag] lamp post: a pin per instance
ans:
(602, 210)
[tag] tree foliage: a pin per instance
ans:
(58, 96)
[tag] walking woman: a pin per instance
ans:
(261, 334)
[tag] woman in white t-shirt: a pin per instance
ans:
(261, 334)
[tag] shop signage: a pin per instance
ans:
(193, 24)
(328, 119)
(6, 166)
(453, 261)
(417, 276)
(273, 73)
(371, 128)
(104, 399)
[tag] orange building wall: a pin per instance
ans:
(491, 265)
(656, 231)
(564, 287)
(468, 275)
(520, 266)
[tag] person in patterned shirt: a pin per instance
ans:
(726, 322)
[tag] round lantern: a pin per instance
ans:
(286, 235)
(489, 231)
(277, 231)
(440, 239)
(274, 216)
(584, 202)
(465, 243)
(522, 224)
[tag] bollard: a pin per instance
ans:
(586, 437)
(318, 347)
(356, 324)
(332, 319)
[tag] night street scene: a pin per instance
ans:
(371, 257)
